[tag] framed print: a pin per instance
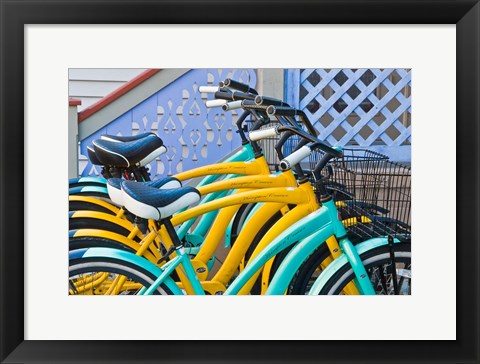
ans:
(438, 42)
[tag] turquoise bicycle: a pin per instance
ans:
(306, 237)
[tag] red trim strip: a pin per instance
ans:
(122, 90)
(74, 102)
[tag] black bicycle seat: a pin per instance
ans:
(125, 154)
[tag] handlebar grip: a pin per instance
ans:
(262, 134)
(224, 95)
(209, 89)
(235, 85)
(295, 158)
(264, 100)
(233, 96)
(282, 110)
(215, 103)
(232, 105)
(251, 105)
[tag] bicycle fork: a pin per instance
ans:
(362, 280)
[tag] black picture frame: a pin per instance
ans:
(16, 14)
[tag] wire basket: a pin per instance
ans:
(268, 147)
(373, 194)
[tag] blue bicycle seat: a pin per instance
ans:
(152, 203)
(121, 138)
(114, 187)
(92, 156)
(125, 154)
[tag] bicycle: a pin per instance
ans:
(248, 269)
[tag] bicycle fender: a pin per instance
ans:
(294, 259)
(89, 179)
(337, 263)
(87, 189)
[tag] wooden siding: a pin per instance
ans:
(91, 84)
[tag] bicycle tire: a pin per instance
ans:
(88, 206)
(86, 242)
(257, 287)
(92, 223)
(96, 265)
(239, 220)
(86, 184)
(373, 259)
(304, 276)
(97, 194)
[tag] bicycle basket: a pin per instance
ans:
(372, 193)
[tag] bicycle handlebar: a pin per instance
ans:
(232, 105)
(295, 158)
(318, 144)
(215, 103)
(284, 111)
(251, 105)
(264, 100)
(290, 112)
(235, 85)
(305, 151)
(272, 132)
(209, 89)
(256, 135)
(233, 96)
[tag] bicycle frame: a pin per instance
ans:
(278, 196)
(308, 234)
(231, 203)
(310, 239)
(181, 259)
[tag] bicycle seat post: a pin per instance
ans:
(171, 231)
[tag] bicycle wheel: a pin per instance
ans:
(239, 220)
(91, 191)
(85, 242)
(257, 287)
(88, 206)
(86, 184)
(308, 272)
(378, 264)
(99, 224)
(98, 276)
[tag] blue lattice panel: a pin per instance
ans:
(368, 108)
(194, 135)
